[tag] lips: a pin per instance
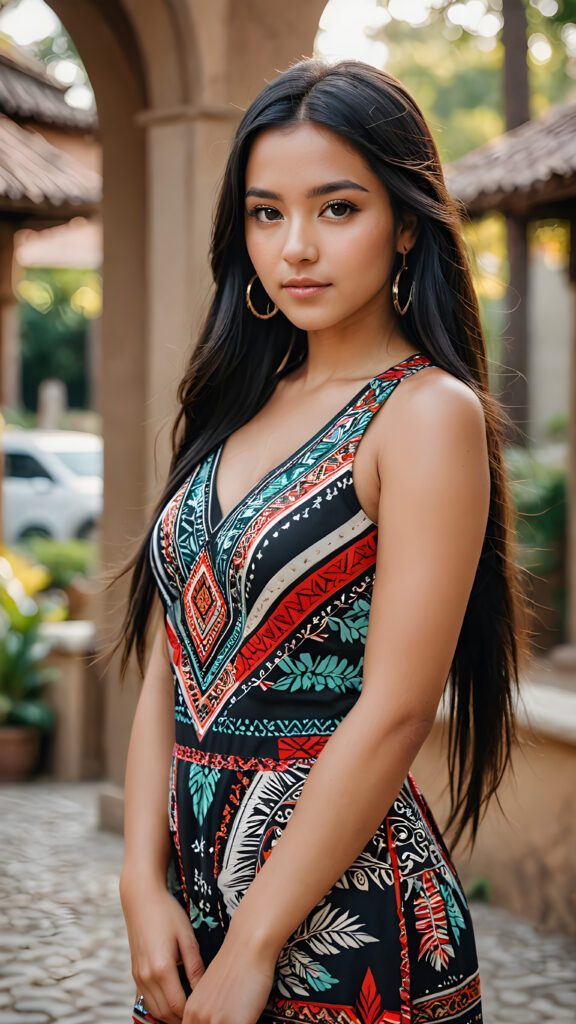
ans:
(304, 287)
(304, 282)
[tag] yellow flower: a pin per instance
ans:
(33, 577)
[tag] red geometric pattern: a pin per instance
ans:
(203, 707)
(315, 479)
(288, 1011)
(166, 532)
(405, 1012)
(447, 1005)
(301, 746)
(204, 606)
(328, 467)
(239, 764)
(307, 595)
(288, 577)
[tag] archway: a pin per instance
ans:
(171, 79)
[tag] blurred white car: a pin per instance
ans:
(52, 483)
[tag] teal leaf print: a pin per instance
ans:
(353, 625)
(317, 977)
(453, 912)
(299, 974)
(202, 786)
(320, 673)
(199, 916)
(327, 932)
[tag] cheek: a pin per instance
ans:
(365, 255)
(258, 244)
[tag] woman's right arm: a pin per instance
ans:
(159, 930)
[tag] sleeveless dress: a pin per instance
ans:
(266, 614)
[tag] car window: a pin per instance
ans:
(87, 463)
(24, 467)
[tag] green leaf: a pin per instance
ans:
(453, 911)
(320, 673)
(199, 916)
(34, 713)
(202, 786)
(5, 707)
(353, 624)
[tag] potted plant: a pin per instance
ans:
(71, 566)
(24, 716)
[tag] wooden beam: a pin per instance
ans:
(558, 198)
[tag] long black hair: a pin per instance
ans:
(238, 359)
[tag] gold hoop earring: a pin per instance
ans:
(401, 309)
(261, 316)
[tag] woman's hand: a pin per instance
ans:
(235, 987)
(160, 936)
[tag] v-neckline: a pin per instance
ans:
(214, 506)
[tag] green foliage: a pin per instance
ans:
(539, 493)
(557, 425)
(457, 86)
(458, 81)
(64, 559)
(55, 307)
(478, 889)
(22, 677)
(20, 418)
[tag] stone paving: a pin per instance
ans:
(63, 948)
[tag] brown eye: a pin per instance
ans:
(339, 209)
(266, 214)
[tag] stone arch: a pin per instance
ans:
(171, 78)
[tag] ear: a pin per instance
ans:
(407, 231)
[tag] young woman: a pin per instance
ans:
(332, 546)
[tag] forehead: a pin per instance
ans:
(307, 150)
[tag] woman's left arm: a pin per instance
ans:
(432, 516)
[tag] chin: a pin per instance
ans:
(310, 322)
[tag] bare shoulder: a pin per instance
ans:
(432, 408)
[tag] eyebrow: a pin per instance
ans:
(320, 190)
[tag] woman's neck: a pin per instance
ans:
(345, 352)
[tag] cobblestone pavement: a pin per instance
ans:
(63, 949)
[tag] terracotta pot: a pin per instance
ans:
(19, 747)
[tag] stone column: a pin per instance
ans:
(563, 656)
(9, 322)
(186, 150)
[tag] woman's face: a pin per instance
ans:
(319, 227)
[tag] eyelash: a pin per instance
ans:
(333, 203)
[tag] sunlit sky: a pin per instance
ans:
(33, 20)
(344, 31)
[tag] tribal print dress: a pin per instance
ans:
(266, 615)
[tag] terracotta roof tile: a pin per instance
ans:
(32, 169)
(534, 159)
(29, 93)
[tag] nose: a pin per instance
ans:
(300, 243)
